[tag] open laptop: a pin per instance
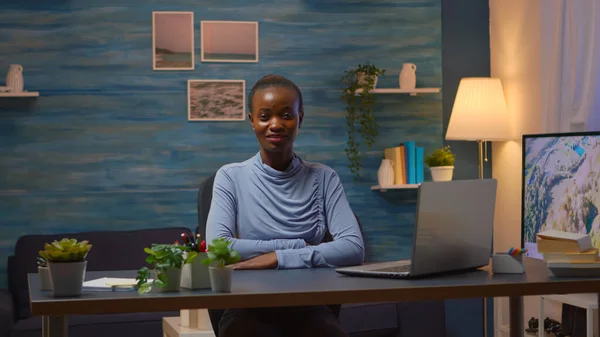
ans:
(453, 232)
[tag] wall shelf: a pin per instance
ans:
(412, 92)
(20, 94)
(394, 187)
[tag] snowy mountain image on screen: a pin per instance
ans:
(561, 186)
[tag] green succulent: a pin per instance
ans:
(440, 157)
(65, 250)
(162, 257)
(220, 254)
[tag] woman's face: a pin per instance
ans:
(275, 118)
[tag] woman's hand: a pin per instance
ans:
(265, 261)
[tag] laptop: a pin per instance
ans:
(453, 231)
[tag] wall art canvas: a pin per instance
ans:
(216, 100)
(229, 41)
(173, 40)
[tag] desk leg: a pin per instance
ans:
(515, 308)
(54, 326)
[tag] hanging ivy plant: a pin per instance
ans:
(359, 101)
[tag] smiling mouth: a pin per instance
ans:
(276, 138)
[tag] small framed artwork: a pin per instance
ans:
(173, 40)
(229, 41)
(216, 100)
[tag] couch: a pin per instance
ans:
(111, 250)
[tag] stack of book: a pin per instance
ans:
(564, 251)
(407, 161)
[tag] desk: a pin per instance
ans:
(272, 288)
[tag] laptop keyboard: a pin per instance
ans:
(396, 269)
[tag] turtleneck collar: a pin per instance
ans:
(292, 169)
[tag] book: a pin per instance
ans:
(419, 164)
(396, 155)
(411, 168)
(555, 241)
(111, 284)
(587, 256)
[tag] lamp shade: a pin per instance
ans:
(479, 111)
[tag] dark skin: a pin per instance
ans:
(275, 118)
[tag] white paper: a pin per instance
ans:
(111, 282)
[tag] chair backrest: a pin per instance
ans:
(111, 250)
(204, 200)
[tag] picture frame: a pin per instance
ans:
(229, 41)
(216, 100)
(173, 40)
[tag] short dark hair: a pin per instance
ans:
(275, 81)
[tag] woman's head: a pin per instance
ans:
(276, 113)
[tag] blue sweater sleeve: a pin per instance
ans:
(347, 247)
(221, 222)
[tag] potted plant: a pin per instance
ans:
(219, 256)
(441, 164)
(195, 275)
(359, 101)
(44, 273)
(167, 261)
(67, 264)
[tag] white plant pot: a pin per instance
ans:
(45, 282)
(173, 280)
(67, 277)
(442, 173)
(362, 78)
(220, 279)
(195, 275)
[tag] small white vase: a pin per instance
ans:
(195, 275)
(385, 174)
(220, 279)
(67, 277)
(362, 78)
(14, 78)
(442, 173)
(173, 280)
(408, 76)
(45, 282)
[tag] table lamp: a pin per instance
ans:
(479, 113)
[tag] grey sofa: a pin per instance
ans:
(111, 250)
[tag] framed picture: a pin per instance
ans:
(229, 41)
(172, 40)
(216, 100)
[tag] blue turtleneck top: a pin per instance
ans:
(261, 210)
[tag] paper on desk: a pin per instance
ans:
(111, 283)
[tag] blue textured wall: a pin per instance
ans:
(107, 145)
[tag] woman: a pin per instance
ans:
(276, 208)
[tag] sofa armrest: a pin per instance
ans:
(7, 312)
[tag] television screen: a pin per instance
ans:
(561, 191)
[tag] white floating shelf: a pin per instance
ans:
(20, 94)
(394, 187)
(412, 92)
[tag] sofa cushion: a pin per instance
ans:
(130, 325)
(35, 323)
(111, 250)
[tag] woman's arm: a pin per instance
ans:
(347, 247)
(222, 220)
